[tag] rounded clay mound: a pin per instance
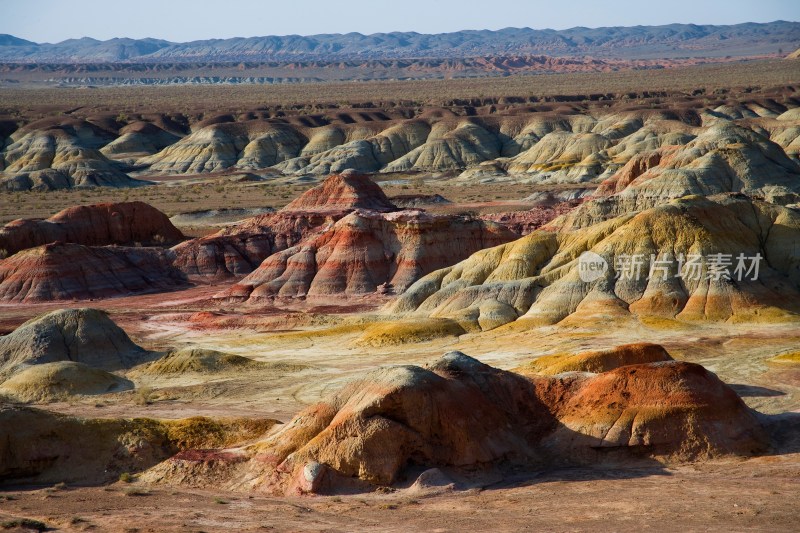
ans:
(459, 412)
(124, 223)
(202, 360)
(348, 190)
(60, 381)
(408, 331)
(45, 447)
(597, 361)
(86, 336)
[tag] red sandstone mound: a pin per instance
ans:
(366, 250)
(637, 166)
(348, 190)
(238, 251)
(670, 408)
(61, 271)
(460, 412)
(123, 223)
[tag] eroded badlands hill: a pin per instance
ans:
(366, 250)
(45, 447)
(86, 336)
(677, 143)
(662, 262)
(458, 412)
(60, 156)
(62, 271)
(239, 250)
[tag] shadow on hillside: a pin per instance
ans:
(784, 432)
(753, 391)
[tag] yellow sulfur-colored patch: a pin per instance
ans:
(765, 315)
(596, 361)
(410, 331)
(790, 358)
(202, 432)
(344, 329)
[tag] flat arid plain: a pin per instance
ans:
(553, 295)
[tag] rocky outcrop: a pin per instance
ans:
(365, 250)
(445, 149)
(459, 412)
(370, 154)
(240, 250)
(724, 158)
(756, 277)
(635, 167)
(668, 407)
(60, 271)
(125, 223)
(560, 150)
(86, 336)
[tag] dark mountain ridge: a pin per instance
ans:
(667, 41)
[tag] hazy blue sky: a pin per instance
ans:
(185, 20)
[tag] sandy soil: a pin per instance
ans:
(755, 495)
(760, 494)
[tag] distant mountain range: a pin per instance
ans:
(637, 42)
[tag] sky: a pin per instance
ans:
(187, 20)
